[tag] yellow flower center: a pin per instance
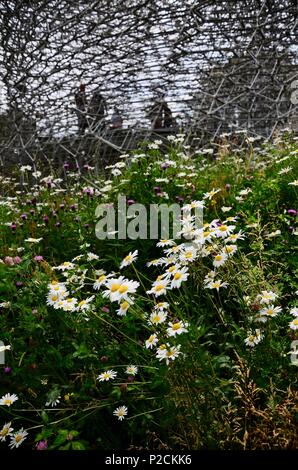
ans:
(270, 311)
(124, 305)
(159, 287)
(171, 269)
(122, 289)
(127, 258)
(223, 228)
(188, 254)
(170, 353)
(218, 258)
(18, 438)
(177, 276)
(54, 298)
(176, 326)
(7, 401)
(101, 278)
(295, 321)
(115, 287)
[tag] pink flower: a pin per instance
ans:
(17, 260)
(41, 445)
(38, 258)
(8, 260)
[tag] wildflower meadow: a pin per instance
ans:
(184, 341)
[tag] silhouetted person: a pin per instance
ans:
(116, 120)
(97, 110)
(168, 120)
(160, 115)
(80, 99)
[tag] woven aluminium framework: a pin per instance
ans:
(221, 66)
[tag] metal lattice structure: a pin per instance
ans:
(217, 66)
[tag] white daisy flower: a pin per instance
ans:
(100, 281)
(193, 205)
(157, 317)
(294, 311)
(68, 305)
(266, 297)
(179, 276)
(8, 399)
(107, 375)
(5, 431)
(65, 266)
(131, 370)
(124, 306)
(294, 324)
(230, 249)
(171, 270)
(154, 262)
(209, 277)
(92, 256)
(253, 339)
(151, 341)
(216, 284)
(188, 255)
(120, 412)
(285, 170)
(85, 304)
(168, 353)
(235, 236)
(177, 328)
(159, 287)
(270, 311)
(130, 258)
(57, 289)
(119, 288)
(161, 306)
(224, 230)
(165, 242)
(219, 259)
(18, 438)
(209, 195)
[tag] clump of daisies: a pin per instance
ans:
(7, 431)
(264, 311)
